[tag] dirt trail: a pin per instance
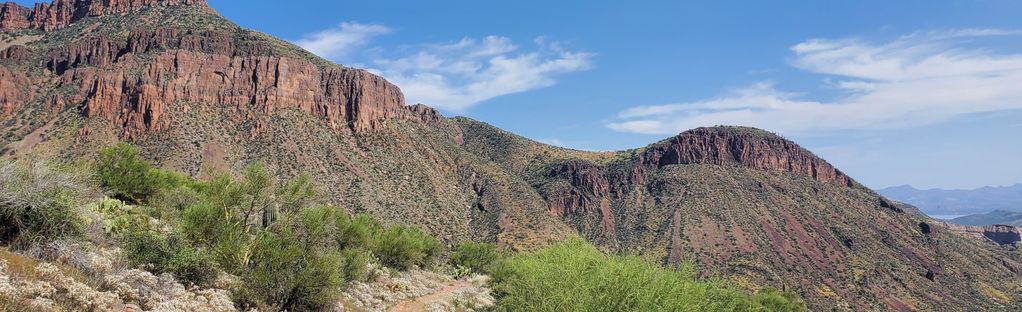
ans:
(419, 303)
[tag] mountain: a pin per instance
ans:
(996, 217)
(959, 202)
(197, 93)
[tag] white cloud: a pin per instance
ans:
(918, 79)
(459, 75)
(340, 41)
(452, 76)
(552, 141)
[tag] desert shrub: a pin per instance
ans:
(119, 217)
(773, 300)
(575, 276)
(168, 203)
(224, 238)
(37, 204)
(356, 265)
(402, 247)
(356, 232)
(160, 253)
(475, 256)
(121, 171)
(296, 193)
(293, 272)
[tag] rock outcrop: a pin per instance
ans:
(13, 90)
(135, 82)
(742, 146)
(1000, 234)
(61, 13)
(587, 195)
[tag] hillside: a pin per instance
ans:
(199, 94)
(958, 202)
(996, 217)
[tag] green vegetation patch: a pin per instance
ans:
(575, 276)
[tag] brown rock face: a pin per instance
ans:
(1000, 234)
(14, 16)
(15, 53)
(745, 147)
(13, 93)
(60, 13)
(588, 194)
(211, 69)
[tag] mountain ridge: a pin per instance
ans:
(197, 93)
(959, 202)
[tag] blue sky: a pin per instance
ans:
(927, 93)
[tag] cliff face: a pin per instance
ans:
(136, 81)
(743, 146)
(586, 201)
(61, 13)
(1000, 234)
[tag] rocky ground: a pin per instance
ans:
(418, 291)
(86, 278)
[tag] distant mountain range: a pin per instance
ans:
(997, 217)
(958, 202)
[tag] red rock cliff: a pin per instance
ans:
(742, 146)
(208, 69)
(61, 13)
(588, 194)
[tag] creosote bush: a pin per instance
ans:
(575, 276)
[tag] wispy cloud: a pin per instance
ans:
(918, 79)
(455, 75)
(552, 141)
(339, 42)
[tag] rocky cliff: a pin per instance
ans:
(1000, 234)
(745, 147)
(136, 81)
(61, 13)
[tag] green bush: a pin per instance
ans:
(38, 204)
(575, 276)
(208, 227)
(356, 265)
(293, 273)
(402, 247)
(356, 232)
(168, 254)
(120, 170)
(475, 256)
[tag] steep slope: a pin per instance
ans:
(198, 93)
(760, 210)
